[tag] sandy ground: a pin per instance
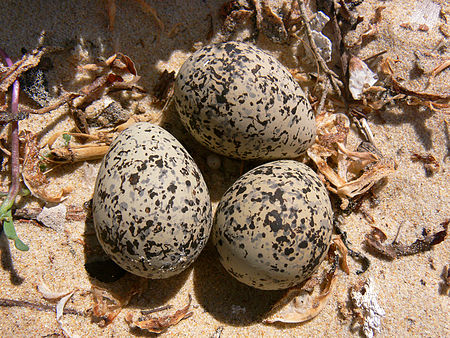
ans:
(408, 288)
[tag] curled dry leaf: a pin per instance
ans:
(379, 170)
(376, 238)
(32, 176)
(160, 324)
(298, 305)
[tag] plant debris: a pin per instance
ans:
(49, 294)
(364, 298)
(160, 324)
(430, 163)
(164, 87)
(299, 304)
(32, 176)
(376, 238)
(357, 171)
(72, 213)
(28, 61)
(355, 255)
(106, 307)
(60, 311)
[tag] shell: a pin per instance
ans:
(273, 226)
(151, 206)
(243, 103)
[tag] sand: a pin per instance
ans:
(408, 288)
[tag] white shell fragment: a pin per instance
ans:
(366, 300)
(426, 13)
(151, 206)
(241, 102)
(273, 225)
(360, 77)
(319, 21)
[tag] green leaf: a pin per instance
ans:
(21, 245)
(10, 231)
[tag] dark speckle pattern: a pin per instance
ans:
(273, 226)
(242, 102)
(151, 206)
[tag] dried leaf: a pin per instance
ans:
(163, 86)
(32, 176)
(298, 306)
(397, 86)
(161, 324)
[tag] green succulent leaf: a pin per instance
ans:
(10, 231)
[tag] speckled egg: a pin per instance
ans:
(273, 226)
(243, 103)
(151, 206)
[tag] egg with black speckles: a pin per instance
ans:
(151, 206)
(273, 226)
(241, 102)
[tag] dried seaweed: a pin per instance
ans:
(376, 238)
(160, 324)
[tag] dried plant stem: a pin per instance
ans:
(335, 82)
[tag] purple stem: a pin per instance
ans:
(15, 167)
